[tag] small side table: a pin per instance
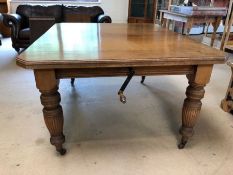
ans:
(189, 20)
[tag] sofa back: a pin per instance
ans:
(28, 11)
(61, 13)
(81, 14)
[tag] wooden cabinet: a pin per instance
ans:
(141, 11)
(5, 31)
(226, 42)
(3, 6)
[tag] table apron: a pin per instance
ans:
(123, 71)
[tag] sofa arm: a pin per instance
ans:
(14, 22)
(104, 19)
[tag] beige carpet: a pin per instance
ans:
(105, 137)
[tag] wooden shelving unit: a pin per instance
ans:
(225, 42)
(141, 11)
(3, 6)
(5, 31)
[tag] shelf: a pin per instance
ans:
(141, 12)
(3, 1)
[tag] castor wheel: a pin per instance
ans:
(72, 81)
(181, 145)
(62, 151)
(183, 142)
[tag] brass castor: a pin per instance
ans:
(122, 97)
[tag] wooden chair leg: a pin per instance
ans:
(72, 81)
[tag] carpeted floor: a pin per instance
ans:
(104, 136)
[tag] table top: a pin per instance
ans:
(83, 45)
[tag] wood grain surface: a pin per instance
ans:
(74, 45)
(93, 50)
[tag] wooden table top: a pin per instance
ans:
(83, 45)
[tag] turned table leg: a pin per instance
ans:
(192, 104)
(50, 99)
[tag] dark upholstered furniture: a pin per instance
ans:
(0, 39)
(20, 27)
(0, 28)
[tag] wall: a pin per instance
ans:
(117, 9)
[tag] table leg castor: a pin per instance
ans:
(143, 79)
(72, 81)
(62, 151)
(183, 142)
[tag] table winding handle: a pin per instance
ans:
(122, 97)
(124, 85)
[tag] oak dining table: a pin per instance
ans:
(81, 50)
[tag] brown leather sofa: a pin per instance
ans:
(20, 27)
(0, 30)
(0, 39)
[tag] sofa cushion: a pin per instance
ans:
(81, 14)
(27, 11)
(24, 33)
